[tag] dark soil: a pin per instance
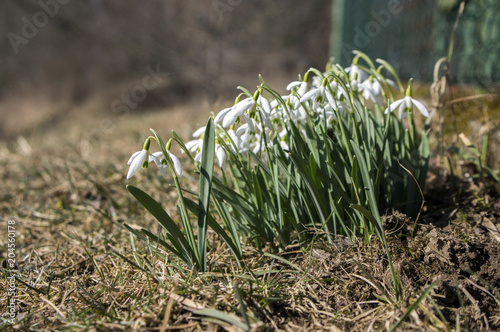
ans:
(456, 245)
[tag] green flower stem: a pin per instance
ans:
(186, 223)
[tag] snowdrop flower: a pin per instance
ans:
(154, 158)
(162, 163)
(220, 154)
(356, 73)
(136, 162)
(234, 140)
(292, 101)
(196, 144)
(303, 86)
(198, 132)
(354, 85)
(218, 118)
(139, 159)
(264, 103)
(315, 94)
(329, 115)
(239, 109)
(372, 90)
(406, 104)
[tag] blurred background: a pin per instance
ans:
(56, 55)
(67, 61)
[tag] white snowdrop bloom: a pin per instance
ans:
(220, 155)
(316, 81)
(242, 129)
(159, 160)
(405, 106)
(304, 87)
(194, 145)
(299, 114)
(218, 118)
(356, 73)
(313, 94)
(300, 87)
(137, 161)
(275, 105)
(355, 85)
(292, 100)
(331, 99)
(200, 131)
(267, 122)
(293, 84)
(371, 90)
(176, 162)
(250, 122)
(328, 114)
(342, 95)
(265, 105)
(233, 140)
(154, 157)
(197, 158)
(258, 147)
(247, 141)
(239, 109)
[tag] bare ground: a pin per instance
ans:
(79, 268)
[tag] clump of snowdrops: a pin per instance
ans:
(326, 159)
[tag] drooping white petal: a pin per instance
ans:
(221, 157)
(354, 85)
(304, 86)
(331, 99)
(199, 132)
(197, 158)
(376, 88)
(265, 104)
(243, 106)
(133, 157)
(236, 111)
(177, 164)
(421, 107)
(402, 110)
(293, 84)
(249, 120)
(155, 157)
(218, 118)
(193, 145)
(242, 129)
(391, 83)
(313, 93)
(267, 122)
(394, 105)
(235, 138)
(292, 100)
(137, 162)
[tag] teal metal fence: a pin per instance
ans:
(413, 34)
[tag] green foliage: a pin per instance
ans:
(324, 160)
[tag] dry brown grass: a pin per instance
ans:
(78, 269)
